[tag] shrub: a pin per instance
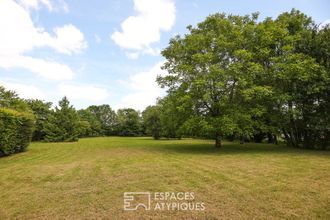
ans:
(16, 130)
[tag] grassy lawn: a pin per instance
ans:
(86, 180)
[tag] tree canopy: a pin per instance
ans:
(240, 77)
(63, 123)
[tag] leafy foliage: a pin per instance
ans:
(90, 125)
(106, 117)
(245, 79)
(16, 123)
(42, 112)
(129, 122)
(63, 123)
(152, 121)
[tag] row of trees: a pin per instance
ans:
(24, 120)
(64, 123)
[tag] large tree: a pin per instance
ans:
(211, 67)
(243, 78)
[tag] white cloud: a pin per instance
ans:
(44, 68)
(152, 51)
(145, 89)
(140, 31)
(84, 92)
(19, 35)
(54, 5)
(149, 51)
(68, 40)
(135, 54)
(24, 91)
(36, 4)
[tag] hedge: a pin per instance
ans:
(16, 129)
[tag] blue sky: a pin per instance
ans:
(99, 51)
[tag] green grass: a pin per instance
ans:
(86, 180)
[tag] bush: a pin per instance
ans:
(16, 130)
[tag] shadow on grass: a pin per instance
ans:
(233, 148)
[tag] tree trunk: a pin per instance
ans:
(217, 141)
(270, 138)
(241, 140)
(275, 139)
(293, 131)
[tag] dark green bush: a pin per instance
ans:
(16, 130)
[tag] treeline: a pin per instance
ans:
(24, 120)
(65, 123)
